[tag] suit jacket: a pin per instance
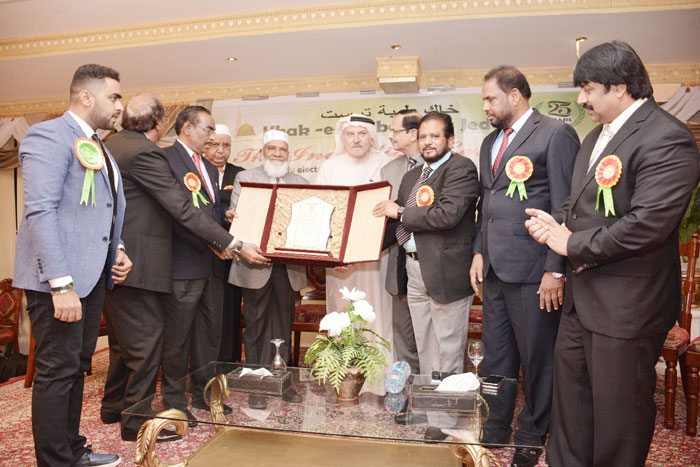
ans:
(226, 188)
(501, 236)
(629, 280)
(252, 276)
(154, 198)
(192, 258)
(393, 172)
(57, 235)
(443, 231)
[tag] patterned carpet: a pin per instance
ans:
(670, 448)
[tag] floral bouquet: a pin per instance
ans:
(348, 343)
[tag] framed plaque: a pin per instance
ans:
(312, 224)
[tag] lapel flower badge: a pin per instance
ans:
(425, 196)
(607, 174)
(193, 184)
(91, 157)
(518, 170)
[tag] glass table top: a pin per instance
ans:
(319, 411)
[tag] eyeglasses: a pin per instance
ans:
(208, 131)
(393, 132)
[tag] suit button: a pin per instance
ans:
(575, 216)
(490, 219)
(105, 239)
(493, 192)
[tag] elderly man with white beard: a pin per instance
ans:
(268, 291)
(356, 161)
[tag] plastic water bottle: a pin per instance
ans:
(394, 402)
(395, 381)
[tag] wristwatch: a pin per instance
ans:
(557, 275)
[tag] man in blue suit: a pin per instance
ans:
(68, 252)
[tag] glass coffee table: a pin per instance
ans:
(312, 428)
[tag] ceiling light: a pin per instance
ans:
(395, 47)
(231, 59)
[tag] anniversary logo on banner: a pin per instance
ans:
(310, 122)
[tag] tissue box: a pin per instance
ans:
(424, 397)
(274, 385)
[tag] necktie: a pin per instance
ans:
(113, 186)
(501, 150)
(603, 139)
(198, 164)
(402, 235)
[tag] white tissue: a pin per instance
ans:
(462, 382)
(261, 372)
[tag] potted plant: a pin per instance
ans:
(350, 353)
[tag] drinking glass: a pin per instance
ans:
(278, 363)
(476, 354)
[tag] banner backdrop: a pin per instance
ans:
(310, 122)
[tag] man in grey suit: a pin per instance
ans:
(436, 209)
(68, 251)
(524, 282)
(403, 134)
(268, 291)
(134, 310)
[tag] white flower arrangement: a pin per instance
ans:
(347, 343)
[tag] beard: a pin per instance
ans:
(275, 169)
(501, 121)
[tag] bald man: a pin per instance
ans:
(134, 310)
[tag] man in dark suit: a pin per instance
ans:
(403, 134)
(68, 251)
(134, 310)
(436, 208)
(632, 181)
(218, 151)
(522, 277)
(194, 309)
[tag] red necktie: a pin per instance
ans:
(501, 150)
(403, 235)
(198, 164)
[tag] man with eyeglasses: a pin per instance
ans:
(403, 134)
(218, 150)
(193, 311)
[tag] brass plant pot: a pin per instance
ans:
(350, 386)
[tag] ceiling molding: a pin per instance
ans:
(367, 13)
(685, 73)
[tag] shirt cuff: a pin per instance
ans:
(60, 281)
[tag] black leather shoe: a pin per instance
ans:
(434, 433)
(410, 418)
(257, 401)
(164, 436)
(109, 418)
(525, 457)
(191, 418)
(292, 396)
(200, 404)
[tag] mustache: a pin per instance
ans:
(587, 106)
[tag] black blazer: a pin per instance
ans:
(226, 188)
(192, 258)
(153, 198)
(501, 236)
(443, 231)
(629, 280)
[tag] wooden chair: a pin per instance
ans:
(676, 346)
(10, 308)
